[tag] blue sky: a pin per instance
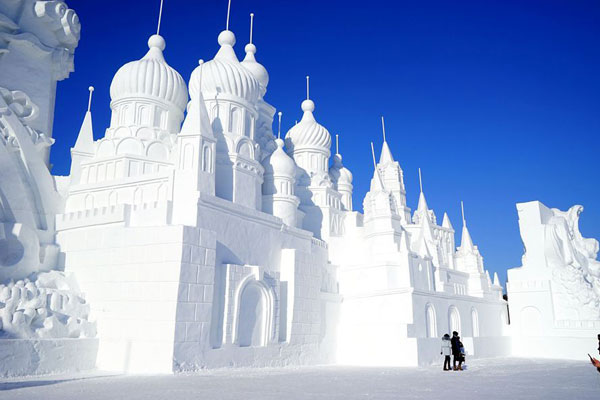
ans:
(496, 101)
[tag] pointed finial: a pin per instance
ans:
(337, 144)
(383, 127)
(420, 181)
(462, 208)
(375, 165)
(307, 87)
(228, 12)
(159, 17)
(91, 89)
(279, 129)
(251, 26)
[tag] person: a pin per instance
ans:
(599, 344)
(462, 354)
(455, 349)
(446, 351)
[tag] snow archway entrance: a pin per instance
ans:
(252, 327)
(453, 320)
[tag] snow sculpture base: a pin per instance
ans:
(553, 296)
(22, 357)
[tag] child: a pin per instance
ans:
(446, 351)
(462, 354)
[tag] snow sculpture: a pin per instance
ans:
(556, 293)
(35, 302)
(48, 305)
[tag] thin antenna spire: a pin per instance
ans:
(228, 11)
(307, 87)
(251, 26)
(337, 144)
(279, 129)
(420, 181)
(91, 89)
(375, 165)
(383, 127)
(159, 17)
(462, 208)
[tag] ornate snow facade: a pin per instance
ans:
(187, 236)
(555, 294)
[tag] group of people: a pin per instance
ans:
(453, 346)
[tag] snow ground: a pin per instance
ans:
(506, 378)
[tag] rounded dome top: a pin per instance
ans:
(340, 174)
(257, 69)
(279, 163)
(151, 76)
(224, 74)
(308, 132)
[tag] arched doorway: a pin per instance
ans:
(475, 322)
(431, 322)
(253, 316)
(453, 320)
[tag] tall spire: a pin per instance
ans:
(422, 207)
(307, 87)
(386, 154)
(446, 222)
(279, 114)
(228, 12)
(379, 179)
(466, 243)
(85, 138)
(159, 17)
(251, 26)
(496, 279)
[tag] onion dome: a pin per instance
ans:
(308, 132)
(279, 163)
(151, 76)
(340, 174)
(224, 74)
(257, 69)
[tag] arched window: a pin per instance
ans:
(235, 121)
(431, 324)
(453, 320)
(112, 198)
(253, 316)
(206, 159)
(89, 202)
(475, 322)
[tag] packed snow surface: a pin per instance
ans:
(507, 378)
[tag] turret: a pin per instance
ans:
(84, 146)
(341, 178)
(278, 188)
(230, 94)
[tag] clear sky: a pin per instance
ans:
(498, 102)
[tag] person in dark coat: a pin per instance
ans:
(598, 345)
(456, 355)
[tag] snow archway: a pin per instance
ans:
(431, 322)
(254, 314)
(475, 322)
(453, 320)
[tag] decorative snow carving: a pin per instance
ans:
(572, 259)
(48, 305)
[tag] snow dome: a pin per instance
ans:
(225, 74)
(150, 77)
(308, 132)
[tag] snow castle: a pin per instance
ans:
(190, 236)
